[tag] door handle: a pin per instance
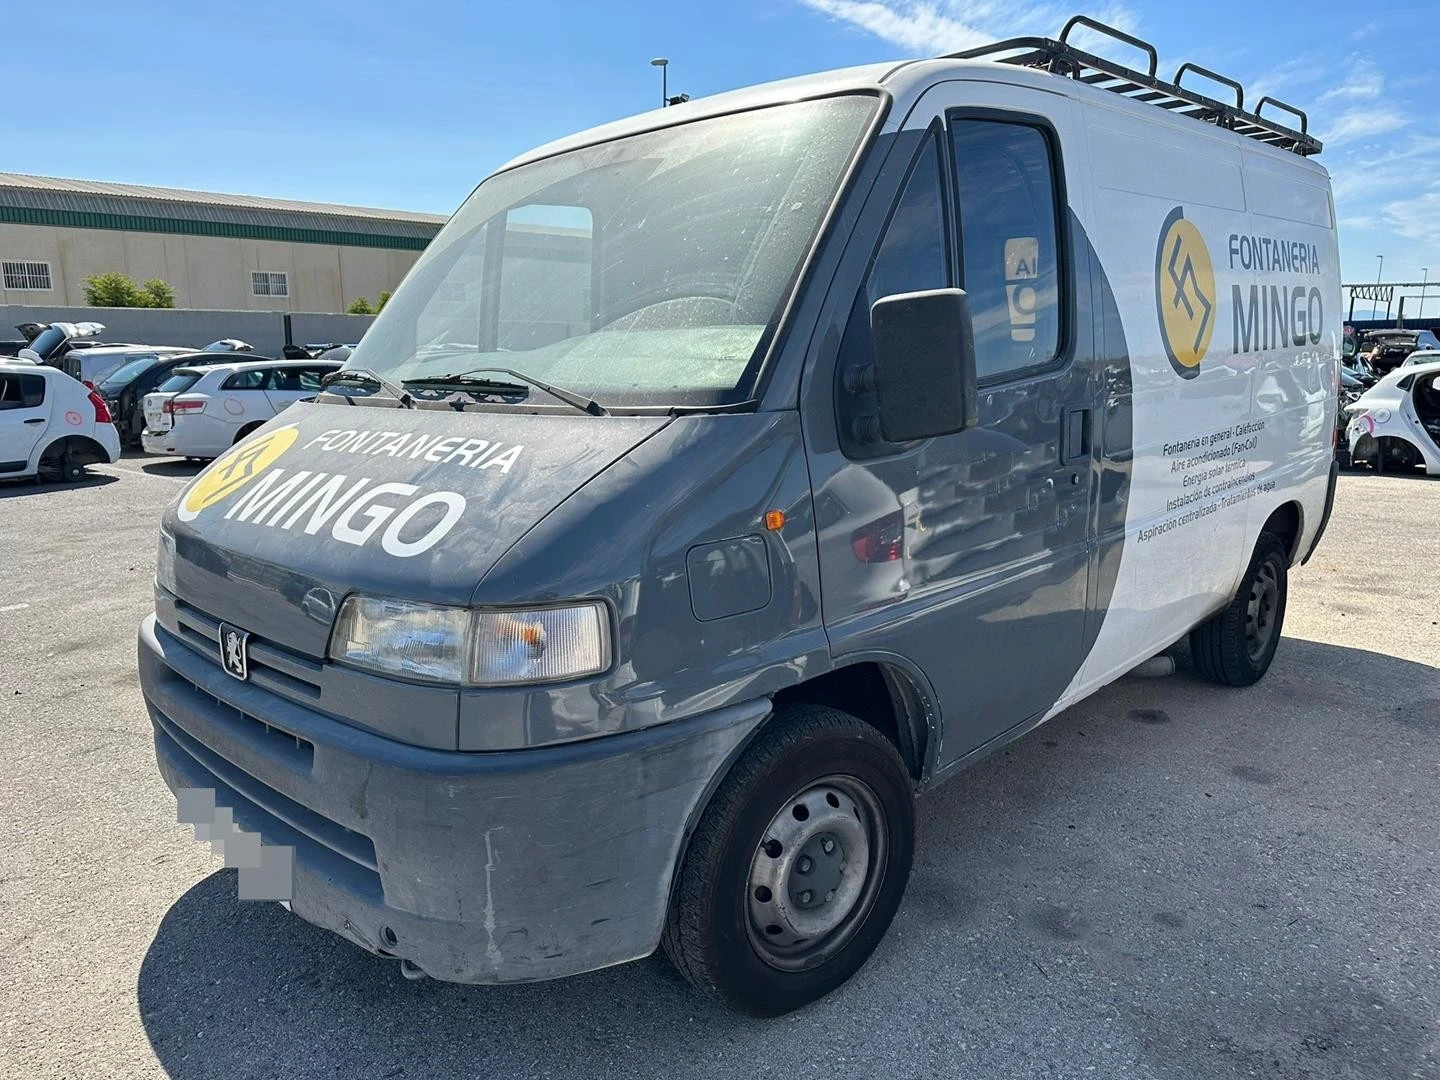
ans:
(1074, 436)
(36, 420)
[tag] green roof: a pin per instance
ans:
(88, 204)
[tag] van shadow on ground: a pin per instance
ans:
(1170, 880)
(157, 465)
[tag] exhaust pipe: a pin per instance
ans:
(412, 971)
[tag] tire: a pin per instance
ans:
(63, 468)
(1236, 646)
(816, 777)
(1398, 455)
(246, 431)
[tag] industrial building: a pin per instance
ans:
(233, 252)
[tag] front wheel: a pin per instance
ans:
(1236, 646)
(797, 866)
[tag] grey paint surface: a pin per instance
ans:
(196, 328)
(999, 594)
(463, 846)
(1249, 878)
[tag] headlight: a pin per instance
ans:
(165, 563)
(419, 641)
(468, 647)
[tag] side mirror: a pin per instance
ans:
(924, 348)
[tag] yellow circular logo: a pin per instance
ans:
(1184, 293)
(235, 468)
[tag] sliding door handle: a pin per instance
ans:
(1075, 436)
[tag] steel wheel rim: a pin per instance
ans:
(813, 878)
(1262, 611)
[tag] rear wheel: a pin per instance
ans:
(1236, 646)
(62, 466)
(797, 866)
(1397, 455)
(247, 429)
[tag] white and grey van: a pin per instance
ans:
(722, 478)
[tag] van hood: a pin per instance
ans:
(327, 500)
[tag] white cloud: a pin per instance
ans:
(940, 26)
(1362, 122)
(1364, 82)
(1416, 218)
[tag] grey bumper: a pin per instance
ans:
(478, 867)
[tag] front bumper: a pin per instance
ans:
(496, 867)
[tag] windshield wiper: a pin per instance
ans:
(467, 380)
(365, 375)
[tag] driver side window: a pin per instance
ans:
(913, 257)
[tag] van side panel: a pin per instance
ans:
(1296, 373)
(1223, 262)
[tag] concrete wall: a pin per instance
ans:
(265, 330)
(206, 271)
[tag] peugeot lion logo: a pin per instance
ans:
(233, 651)
(1184, 293)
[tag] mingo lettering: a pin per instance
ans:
(406, 521)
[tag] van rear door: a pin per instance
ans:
(969, 554)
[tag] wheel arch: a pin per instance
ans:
(888, 693)
(1287, 522)
(897, 701)
(83, 448)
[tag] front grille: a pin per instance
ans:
(258, 807)
(271, 667)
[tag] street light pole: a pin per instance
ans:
(1423, 283)
(1375, 306)
(664, 65)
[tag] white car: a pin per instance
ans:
(51, 425)
(94, 366)
(200, 412)
(1395, 425)
(1422, 356)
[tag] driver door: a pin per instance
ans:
(969, 555)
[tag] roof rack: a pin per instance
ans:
(1062, 58)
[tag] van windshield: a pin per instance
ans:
(649, 270)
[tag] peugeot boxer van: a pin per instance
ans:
(720, 479)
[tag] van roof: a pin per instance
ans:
(1039, 62)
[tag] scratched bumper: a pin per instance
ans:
(498, 867)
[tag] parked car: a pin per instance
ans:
(51, 343)
(124, 390)
(1422, 356)
(201, 411)
(1385, 350)
(1395, 425)
(29, 332)
(50, 425)
(94, 366)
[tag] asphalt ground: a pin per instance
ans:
(1169, 880)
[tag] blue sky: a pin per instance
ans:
(408, 105)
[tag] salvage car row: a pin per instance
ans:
(1389, 415)
(68, 401)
